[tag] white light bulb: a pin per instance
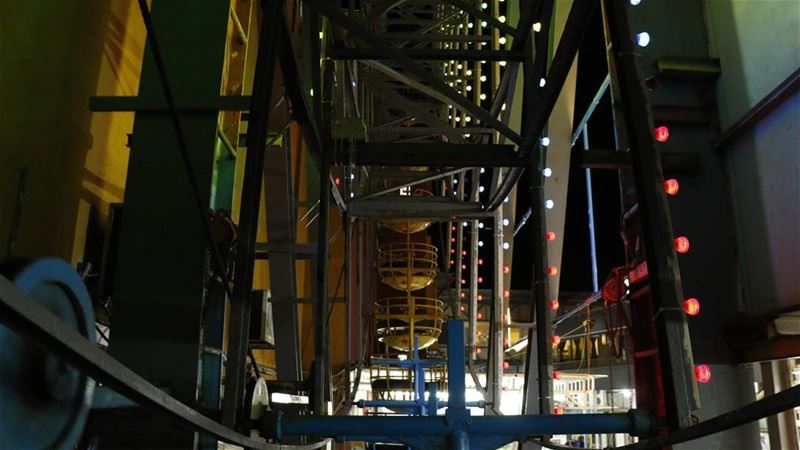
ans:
(469, 88)
(352, 195)
(480, 243)
(505, 222)
(455, 181)
(469, 72)
(465, 223)
(506, 245)
(483, 77)
(545, 141)
(458, 118)
(483, 96)
(502, 41)
(460, 66)
(483, 170)
(311, 92)
(470, 25)
(502, 19)
(483, 23)
(481, 188)
(502, 63)
(467, 135)
(505, 200)
(643, 39)
(352, 176)
(468, 119)
(635, 2)
(542, 82)
(484, 5)
(480, 224)
(461, 25)
(547, 172)
(549, 204)
(537, 27)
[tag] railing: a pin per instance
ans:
(407, 266)
(401, 319)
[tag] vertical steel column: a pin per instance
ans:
(248, 210)
(348, 329)
(495, 384)
(590, 210)
(674, 346)
(459, 249)
(321, 338)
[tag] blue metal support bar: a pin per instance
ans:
(456, 429)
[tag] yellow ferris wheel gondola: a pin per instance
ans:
(401, 319)
(407, 266)
(410, 226)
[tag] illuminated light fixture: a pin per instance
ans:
(480, 243)
(558, 410)
(537, 27)
(311, 91)
(337, 181)
(461, 25)
(479, 316)
(542, 82)
(480, 261)
(463, 253)
(458, 118)
(506, 245)
(502, 19)
(556, 375)
(635, 2)
(555, 339)
(459, 66)
(465, 223)
(483, 170)
(458, 80)
(463, 281)
(502, 63)
(682, 244)
(352, 176)
(463, 295)
(463, 308)
(505, 365)
(452, 250)
(480, 224)
(547, 172)
(702, 373)
(470, 25)
(506, 293)
(502, 40)
(506, 222)
(478, 333)
(505, 200)
(352, 195)
(453, 228)
(451, 83)
(469, 72)
(480, 279)
(552, 270)
(321, 35)
(455, 180)
(691, 306)
(452, 239)
(478, 350)
(554, 305)
(662, 133)
(506, 269)
(549, 204)
(480, 297)
(484, 5)
(452, 262)
(468, 118)
(551, 236)
(463, 267)
(481, 188)
(545, 141)
(483, 23)
(643, 38)
(671, 186)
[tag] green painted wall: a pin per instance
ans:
(758, 44)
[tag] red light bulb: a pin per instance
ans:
(480, 261)
(702, 373)
(463, 253)
(452, 250)
(463, 295)
(682, 244)
(452, 262)
(691, 306)
(505, 342)
(662, 134)
(338, 181)
(505, 365)
(555, 340)
(463, 281)
(506, 293)
(554, 305)
(556, 375)
(552, 270)
(506, 269)
(480, 297)
(452, 239)
(558, 410)
(478, 350)
(551, 236)
(671, 186)
(480, 279)
(479, 316)
(463, 267)
(463, 308)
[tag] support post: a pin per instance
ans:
(674, 346)
(248, 210)
(321, 337)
